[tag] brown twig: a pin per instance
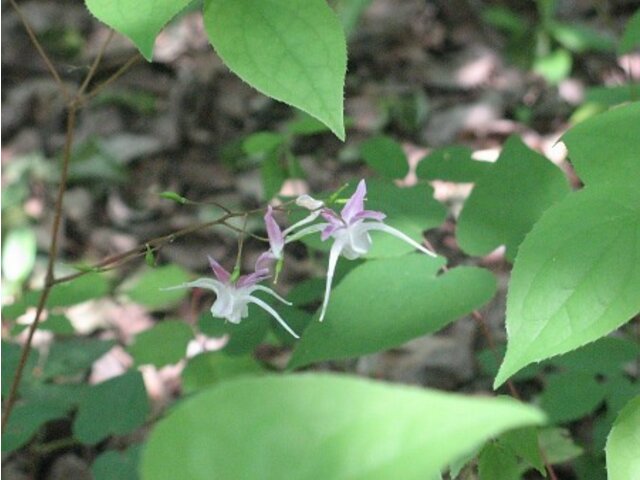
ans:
(72, 109)
(121, 71)
(41, 52)
(94, 66)
(53, 252)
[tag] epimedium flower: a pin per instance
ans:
(350, 232)
(234, 296)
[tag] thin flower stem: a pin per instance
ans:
(41, 52)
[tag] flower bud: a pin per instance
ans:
(308, 202)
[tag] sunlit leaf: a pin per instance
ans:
(384, 303)
(508, 199)
(604, 149)
(140, 21)
(576, 277)
(322, 426)
(623, 459)
(291, 50)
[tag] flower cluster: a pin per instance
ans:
(350, 230)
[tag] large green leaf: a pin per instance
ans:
(623, 444)
(322, 426)
(606, 148)
(291, 50)
(508, 199)
(117, 406)
(576, 277)
(384, 303)
(141, 20)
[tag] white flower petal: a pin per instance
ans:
(265, 306)
(262, 288)
(334, 254)
(306, 231)
(397, 233)
(308, 219)
(206, 283)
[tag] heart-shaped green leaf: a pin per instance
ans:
(291, 50)
(576, 277)
(508, 199)
(385, 303)
(322, 427)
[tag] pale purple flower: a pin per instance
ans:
(350, 231)
(233, 298)
(277, 237)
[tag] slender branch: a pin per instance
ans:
(53, 253)
(41, 52)
(94, 66)
(121, 71)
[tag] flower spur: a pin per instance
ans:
(234, 296)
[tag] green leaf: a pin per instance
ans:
(630, 40)
(26, 419)
(581, 38)
(385, 303)
(121, 465)
(604, 149)
(576, 277)
(79, 290)
(570, 396)
(291, 50)
(452, 164)
(322, 426)
(140, 21)
(115, 407)
(147, 288)
(243, 337)
(554, 67)
(210, 368)
(507, 201)
(602, 357)
(18, 254)
(385, 156)
(273, 174)
(11, 353)
(74, 356)
(262, 143)
(57, 324)
(623, 461)
(523, 442)
(497, 463)
(558, 446)
(163, 344)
